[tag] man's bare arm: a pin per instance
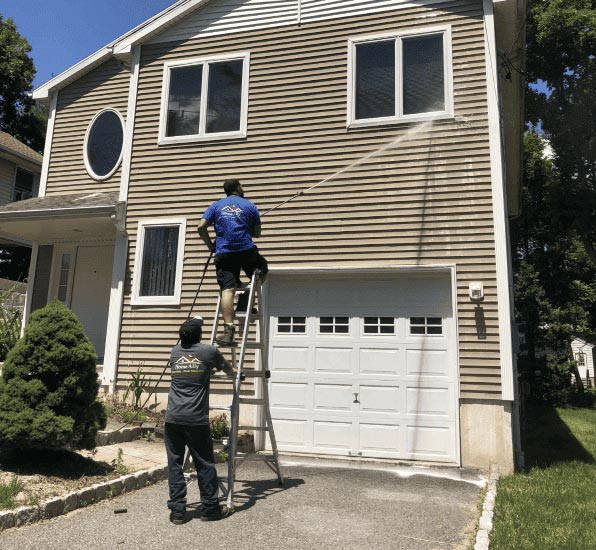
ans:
(204, 234)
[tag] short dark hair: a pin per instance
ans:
(190, 332)
(231, 186)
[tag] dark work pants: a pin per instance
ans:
(198, 440)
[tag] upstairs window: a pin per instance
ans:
(24, 184)
(204, 99)
(400, 78)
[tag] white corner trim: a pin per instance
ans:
(88, 166)
(504, 290)
(30, 284)
(130, 123)
(110, 366)
(47, 151)
(174, 300)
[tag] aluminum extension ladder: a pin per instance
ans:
(260, 371)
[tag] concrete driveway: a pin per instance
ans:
(324, 505)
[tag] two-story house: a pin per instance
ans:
(389, 297)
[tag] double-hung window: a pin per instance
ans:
(204, 99)
(24, 184)
(159, 256)
(400, 77)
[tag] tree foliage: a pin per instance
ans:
(561, 50)
(48, 389)
(20, 116)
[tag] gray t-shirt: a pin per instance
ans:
(188, 399)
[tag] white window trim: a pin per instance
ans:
(426, 316)
(14, 182)
(117, 165)
(378, 325)
(334, 325)
(202, 136)
(174, 300)
(291, 325)
(400, 118)
(58, 252)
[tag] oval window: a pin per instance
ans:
(103, 144)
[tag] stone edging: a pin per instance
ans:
(123, 435)
(57, 506)
(485, 525)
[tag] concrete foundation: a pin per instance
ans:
(487, 435)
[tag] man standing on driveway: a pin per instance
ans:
(236, 221)
(187, 422)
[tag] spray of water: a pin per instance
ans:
(418, 128)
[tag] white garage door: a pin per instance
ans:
(364, 365)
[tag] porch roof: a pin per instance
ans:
(63, 217)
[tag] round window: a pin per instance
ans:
(103, 144)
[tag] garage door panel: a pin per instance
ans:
(293, 395)
(426, 442)
(425, 401)
(333, 397)
(380, 439)
(427, 362)
(375, 361)
(332, 435)
(292, 433)
(331, 359)
(381, 399)
(294, 359)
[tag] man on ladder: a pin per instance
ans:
(236, 221)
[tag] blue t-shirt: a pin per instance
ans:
(234, 219)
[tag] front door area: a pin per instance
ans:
(82, 277)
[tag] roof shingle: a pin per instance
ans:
(13, 145)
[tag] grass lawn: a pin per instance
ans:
(552, 504)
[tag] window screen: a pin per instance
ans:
(423, 74)
(375, 79)
(159, 261)
(224, 101)
(184, 101)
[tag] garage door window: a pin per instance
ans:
(334, 325)
(291, 325)
(431, 326)
(379, 325)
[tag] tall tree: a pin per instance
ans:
(19, 114)
(561, 52)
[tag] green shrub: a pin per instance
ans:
(48, 389)
(220, 428)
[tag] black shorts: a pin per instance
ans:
(229, 264)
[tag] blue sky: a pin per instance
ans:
(62, 32)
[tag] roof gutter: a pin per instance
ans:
(94, 211)
(20, 155)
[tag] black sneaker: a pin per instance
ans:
(227, 338)
(220, 513)
(177, 518)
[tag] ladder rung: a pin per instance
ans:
(251, 317)
(254, 428)
(253, 345)
(255, 373)
(251, 401)
(219, 407)
(253, 456)
(220, 441)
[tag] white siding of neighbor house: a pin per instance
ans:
(580, 346)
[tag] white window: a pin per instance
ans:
(103, 144)
(431, 326)
(334, 325)
(400, 77)
(159, 259)
(24, 184)
(291, 325)
(204, 99)
(581, 359)
(379, 325)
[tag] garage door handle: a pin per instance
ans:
(356, 398)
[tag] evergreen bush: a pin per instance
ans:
(48, 388)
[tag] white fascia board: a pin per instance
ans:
(70, 75)
(156, 25)
(501, 229)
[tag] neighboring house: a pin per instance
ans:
(376, 346)
(20, 171)
(583, 353)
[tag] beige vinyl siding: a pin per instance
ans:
(427, 201)
(7, 170)
(104, 87)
